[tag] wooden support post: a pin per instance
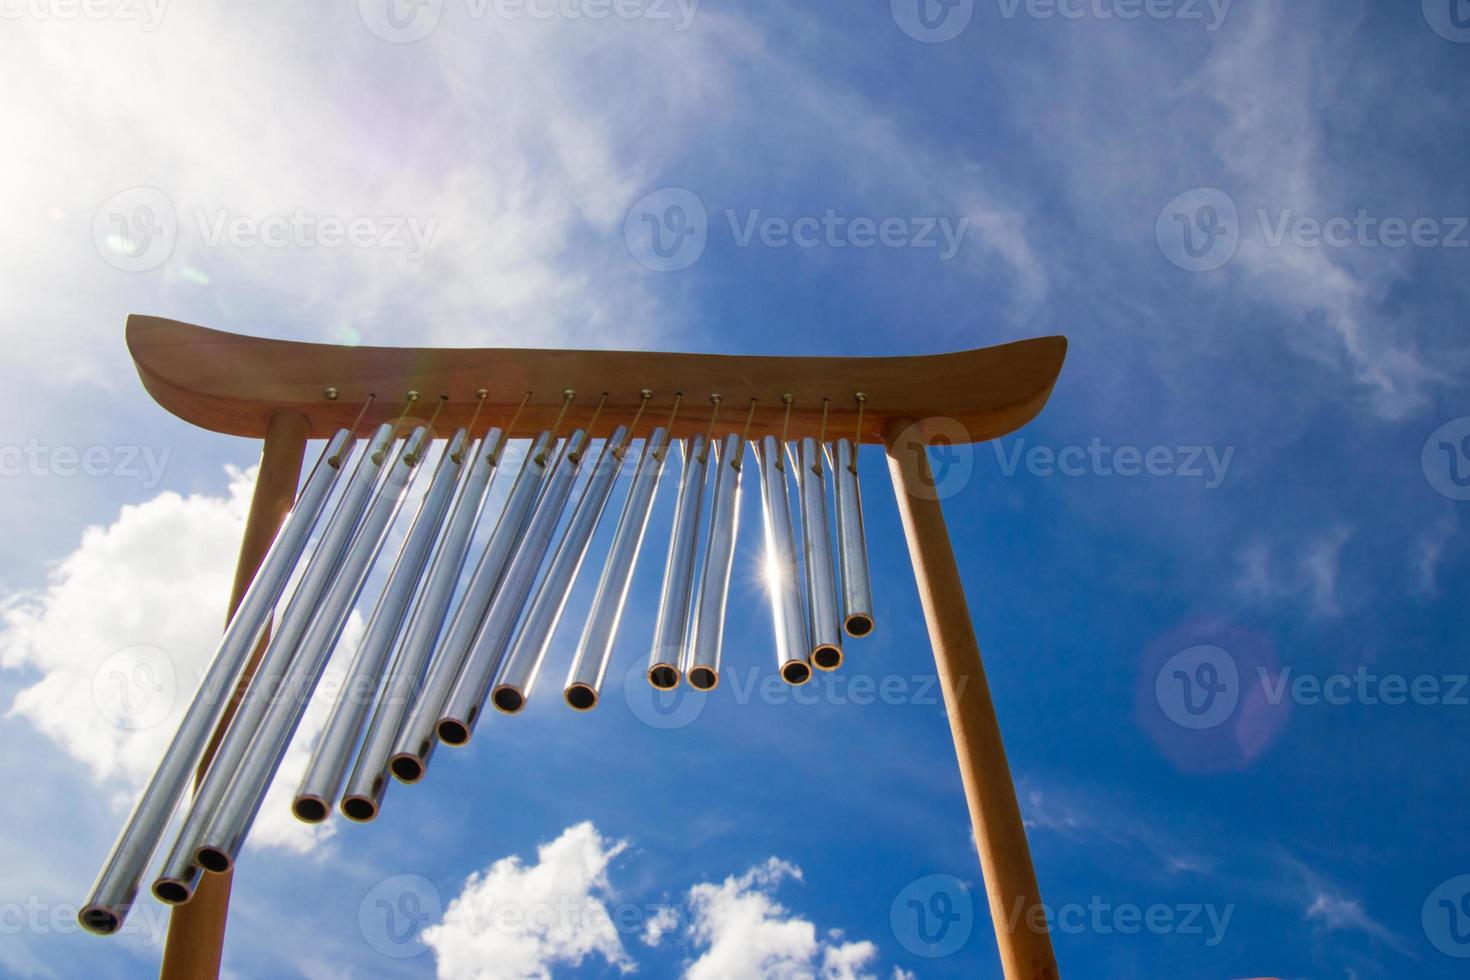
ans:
(196, 929)
(1000, 837)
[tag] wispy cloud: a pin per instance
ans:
(1312, 573)
(1244, 112)
(1429, 553)
(526, 195)
(1076, 819)
(1337, 914)
(1250, 871)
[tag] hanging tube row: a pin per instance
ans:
(452, 627)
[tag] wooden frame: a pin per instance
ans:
(284, 392)
(234, 384)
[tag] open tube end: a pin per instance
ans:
(827, 657)
(453, 731)
(310, 809)
(665, 677)
(172, 891)
(213, 859)
(796, 672)
(704, 678)
(580, 697)
(359, 809)
(99, 920)
(406, 768)
(858, 625)
(507, 700)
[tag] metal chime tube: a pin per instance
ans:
(528, 652)
(781, 572)
(333, 753)
(457, 721)
(671, 627)
(415, 740)
(117, 885)
(824, 621)
(594, 650)
(852, 547)
(225, 832)
(708, 628)
(176, 883)
(365, 787)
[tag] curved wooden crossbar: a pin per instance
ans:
(233, 384)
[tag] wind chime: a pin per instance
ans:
(427, 667)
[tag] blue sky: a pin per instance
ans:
(1250, 222)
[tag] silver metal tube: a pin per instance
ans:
(852, 545)
(365, 787)
(594, 650)
(824, 622)
(175, 883)
(416, 737)
(229, 824)
(528, 652)
(670, 630)
(333, 753)
(457, 720)
(781, 574)
(117, 885)
(708, 627)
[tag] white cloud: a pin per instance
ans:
(1254, 579)
(746, 934)
(661, 923)
(1271, 144)
(1267, 872)
(1092, 820)
(121, 635)
(1244, 113)
(528, 194)
(1338, 914)
(514, 920)
(1043, 812)
(1313, 575)
(846, 961)
(1429, 553)
(1321, 564)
